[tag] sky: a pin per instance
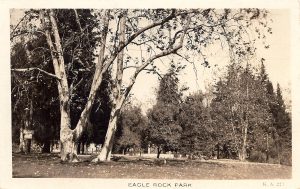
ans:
(277, 64)
(197, 77)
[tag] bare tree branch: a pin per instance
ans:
(131, 38)
(32, 69)
(77, 20)
(50, 43)
(186, 59)
(12, 36)
(13, 31)
(150, 60)
(154, 71)
(136, 34)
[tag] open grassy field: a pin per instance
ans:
(49, 165)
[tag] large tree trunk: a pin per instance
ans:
(68, 139)
(118, 100)
(105, 153)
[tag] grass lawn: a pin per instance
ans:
(48, 165)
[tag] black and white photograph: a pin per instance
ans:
(158, 97)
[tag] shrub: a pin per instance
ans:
(257, 156)
(286, 158)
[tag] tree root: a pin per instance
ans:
(71, 158)
(95, 160)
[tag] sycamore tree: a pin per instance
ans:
(36, 64)
(156, 33)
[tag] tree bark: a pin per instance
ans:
(158, 152)
(245, 130)
(243, 150)
(67, 137)
(22, 140)
(105, 153)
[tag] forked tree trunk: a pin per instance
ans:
(97, 79)
(118, 100)
(84, 116)
(67, 138)
(118, 96)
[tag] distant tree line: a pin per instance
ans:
(245, 119)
